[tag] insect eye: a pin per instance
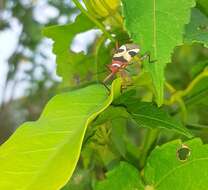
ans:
(132, 53)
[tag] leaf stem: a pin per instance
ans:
(182, 93)
(193, 83)
(177, 96)
(97, 23)
(178, 99)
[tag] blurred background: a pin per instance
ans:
(27, 65)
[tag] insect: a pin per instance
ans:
(121, 60)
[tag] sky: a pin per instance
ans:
(8, 41)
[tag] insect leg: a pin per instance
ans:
(147, 55)
(126, 80)
(106, 80)
(127, 70)
(106, 87)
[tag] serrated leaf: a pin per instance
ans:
(197, 29)
(70, 66)
(122, 177)
(165, 169)
(43, 154)
(148, 115)
(157, 26)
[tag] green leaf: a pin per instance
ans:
(203, 6)
(197, 29)
(122, 177)
(165, 169)
(148, 115)
(110, 114)
(43, 154)
(116, 118)
(71, 66)
(157, 26)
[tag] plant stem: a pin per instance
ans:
(183, 110)
(179, 99)
(149, 140)
(170, 88)
(178, 95)
(182, 93)
(97, 23)
(193, 83)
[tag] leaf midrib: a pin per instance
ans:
(155, 119)
(162, 121)
(154, 29)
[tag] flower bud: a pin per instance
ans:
(102, 8)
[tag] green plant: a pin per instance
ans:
(118, 133)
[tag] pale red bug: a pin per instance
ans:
(122, 58)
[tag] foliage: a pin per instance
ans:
(148, 115)
(196, 30)
(159, 174)
(67, 60)
(122, 138)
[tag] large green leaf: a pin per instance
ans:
(197, 29)
(43, 154)
(148, 115)
(122, 177)
(71, 66)
(165, 170)
(157, 26)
